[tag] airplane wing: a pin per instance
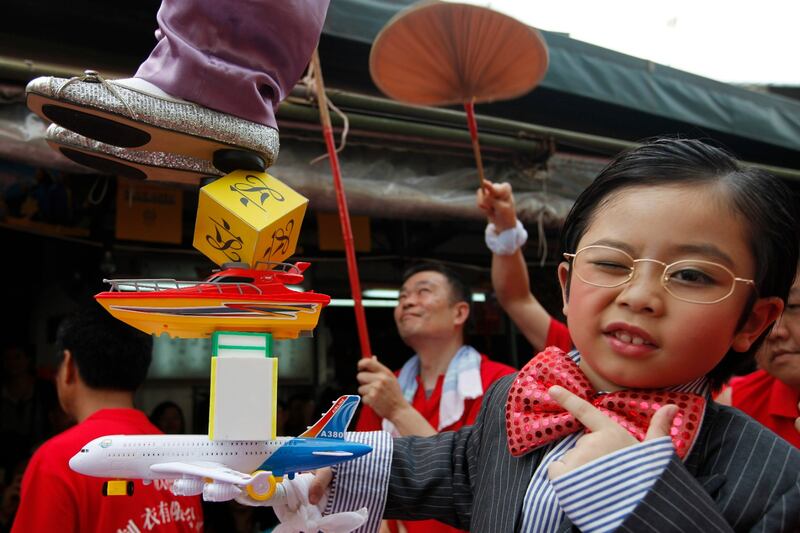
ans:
(209, 470)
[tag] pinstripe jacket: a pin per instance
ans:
(739, 476)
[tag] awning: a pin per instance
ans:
(590, 72)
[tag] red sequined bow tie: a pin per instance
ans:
(533, 418)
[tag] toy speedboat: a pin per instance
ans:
(236, 298)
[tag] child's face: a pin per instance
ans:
(682, 340)
(780, 354)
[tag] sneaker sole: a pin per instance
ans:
(118, 130)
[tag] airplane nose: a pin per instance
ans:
(77, 463)
(359, 449)
(82, 463)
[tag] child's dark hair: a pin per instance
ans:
(760, 199)
(459, 290)
(109, 354)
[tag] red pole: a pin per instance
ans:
(344, 213)
(469, 107)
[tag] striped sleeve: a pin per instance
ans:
(599, 495)
(363, 482)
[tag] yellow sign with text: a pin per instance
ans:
(248, 217)
(147, 212)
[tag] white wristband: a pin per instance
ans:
(507, 241)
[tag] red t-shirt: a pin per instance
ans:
(558, 336)
(770, 401)
(369, 420)
(54, 498)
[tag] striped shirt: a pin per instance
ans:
(598, 496)
(363, 482)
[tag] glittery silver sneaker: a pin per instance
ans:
(134, 164)
(136, 115)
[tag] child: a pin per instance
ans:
(212, 82)
(678, 261)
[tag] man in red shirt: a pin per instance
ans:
(103, 363)
(441, 387)
(771, 394)
(505, 237)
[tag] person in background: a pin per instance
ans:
(103, 362)
(26, 405)
(9, 495)
(771, 394)
(168, 417)
(505, 237)
(441, 387)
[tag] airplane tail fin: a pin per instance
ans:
(334, 423)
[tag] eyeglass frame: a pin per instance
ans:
(663, 278)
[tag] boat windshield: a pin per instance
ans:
(231, 279)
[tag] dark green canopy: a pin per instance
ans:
(610, 82)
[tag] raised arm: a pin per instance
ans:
(509, 271)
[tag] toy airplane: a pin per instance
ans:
(220, 470)
(237, 298)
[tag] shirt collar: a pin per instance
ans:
(697, 386)
(783, 399)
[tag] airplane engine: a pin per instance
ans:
(187, 487)
(220, 492)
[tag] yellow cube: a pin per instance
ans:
(248, 217)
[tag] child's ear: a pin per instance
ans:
(765, 311)
(563, 280)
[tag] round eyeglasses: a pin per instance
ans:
(691, 280)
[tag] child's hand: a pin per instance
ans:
(319, 485)
(497, 203)
(606, 435)
(304, 500)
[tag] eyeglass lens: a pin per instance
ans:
(690, 280)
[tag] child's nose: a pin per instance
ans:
(644, 292)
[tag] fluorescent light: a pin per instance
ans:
(348, 302)
(393, 294)
(385, 302)
(389, 294)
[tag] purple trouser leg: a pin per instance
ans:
(240, 57)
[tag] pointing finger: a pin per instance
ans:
(586, 413)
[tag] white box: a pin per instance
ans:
(244, 393)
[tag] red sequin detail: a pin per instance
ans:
(534, 419)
